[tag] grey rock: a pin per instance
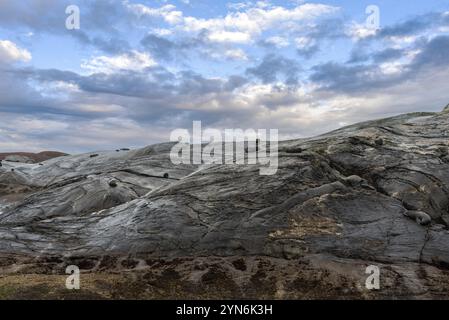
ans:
(379, 141)
(113, 183)
(336, 196)
(18, 158)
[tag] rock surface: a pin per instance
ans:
(26, 157)
(17, 158)
(375, 193)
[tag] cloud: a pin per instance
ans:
(359, 31)
(160, 47)
(361, 54)
(275, 68)
(167, 12)
(229, 36)
(117, 109)
(388, 55)
(106, 25)
(410, 28)
(435, 53)
(236, 27)
(306, 47)
(10, 52)
(396, 66)
(102, 21)
(275, 41)
(236, 54)
(132, 61)
(182, 48)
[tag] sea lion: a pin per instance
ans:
(421, 217)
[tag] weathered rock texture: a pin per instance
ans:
(375, 193)
(26, 157)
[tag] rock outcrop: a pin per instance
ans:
(26, 157)
(18, 158)
(374, 193)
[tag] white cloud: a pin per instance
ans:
(167, 12)
(304, 42)
(241, 26)
(161, 32)
(391, 68)
(133, 61)
(227, 36)
(229, 54)
(236, 54)
(279, 42)
(263, 4)
(256, 20)
(238, 5)
(360, 31)
(101, 108)
(400, 42)
(10, 52)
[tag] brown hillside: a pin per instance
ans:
(37, 157)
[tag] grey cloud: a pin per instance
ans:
(38, 15)
(335, 76)
(50, 16)
(361, 54)
(353, 79)
(235, 82)
(363, 50)
(358, 55)
(266, 44)
(111, 45)
(330, 28)
(323, 30)
(308, 52)
(367, 77)
(159, 47)
(435, 53)
(195, 84)
(411, 26)
(180, 48)
(274, 68)
(153, 94)
(388, 55)
(101, 20)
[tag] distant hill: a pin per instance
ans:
(33, 157)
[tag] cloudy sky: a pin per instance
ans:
(135, 70)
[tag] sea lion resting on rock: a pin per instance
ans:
(356, 181)
(421, 217)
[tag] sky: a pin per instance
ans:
(136, 70)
